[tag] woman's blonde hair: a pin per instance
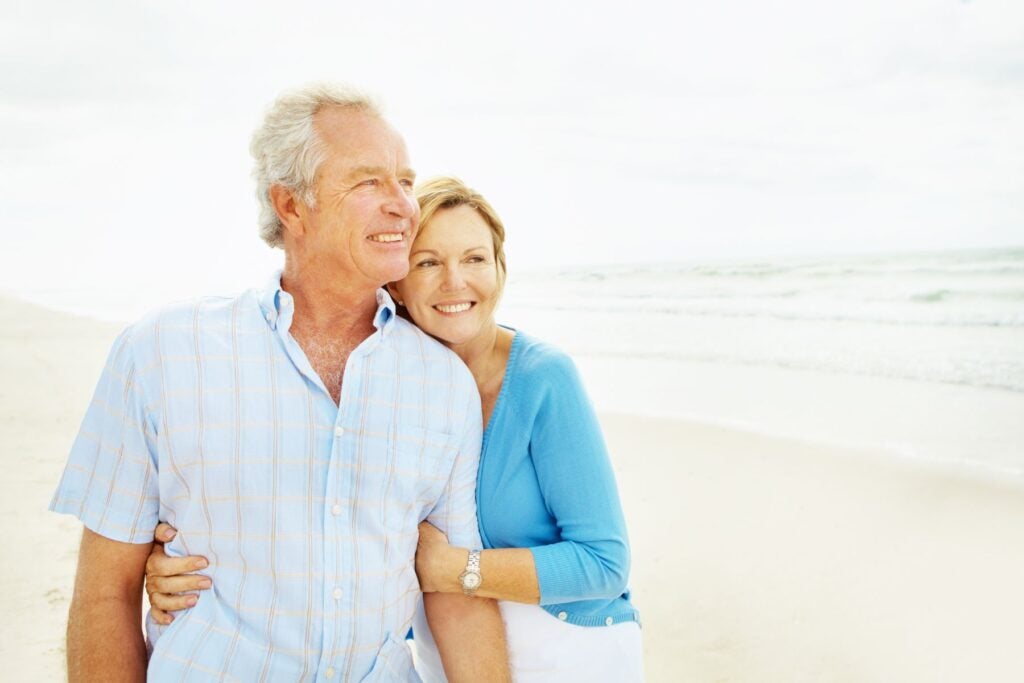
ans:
(448, 192)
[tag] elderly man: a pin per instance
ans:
(295, 435)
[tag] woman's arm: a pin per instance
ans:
(508, 573)
(168, 579)
(578, 485)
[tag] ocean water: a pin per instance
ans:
(920, 355)
(952, 317)
(914, 355)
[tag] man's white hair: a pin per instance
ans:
(287, 150)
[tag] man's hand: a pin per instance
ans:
(105, 640)
(438, 564)
(470, 637)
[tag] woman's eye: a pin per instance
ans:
(426, 264)
(476, 259)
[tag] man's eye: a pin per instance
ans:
(369, 182)
(406, 183)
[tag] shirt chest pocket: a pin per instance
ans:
(419, 466)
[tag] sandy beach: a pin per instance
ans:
(755, 559)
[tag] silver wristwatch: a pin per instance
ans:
(470, 578)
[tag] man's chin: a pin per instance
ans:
(396, 273)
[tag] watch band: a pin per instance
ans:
(471, 578)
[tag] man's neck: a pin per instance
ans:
(333, 315)
(328, 302)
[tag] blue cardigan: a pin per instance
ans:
(545, 483)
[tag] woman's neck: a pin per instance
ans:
(482, 352)
(486, 356)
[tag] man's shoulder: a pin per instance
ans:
(200, 314)
(185, 322)
(416, 346)
(410, 338)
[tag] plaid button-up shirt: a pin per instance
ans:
(209, 416)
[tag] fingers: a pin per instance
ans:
(160, 616)
(168, 594)
(172, 603)
(165, 532)
(160, 564)
(168, 580)
(177, 584)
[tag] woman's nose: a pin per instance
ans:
(453, 280)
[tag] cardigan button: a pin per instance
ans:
(563, 616)
(609, 621)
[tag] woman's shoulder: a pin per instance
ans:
(539, 353)
(539, 363)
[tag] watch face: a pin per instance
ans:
(471, 581)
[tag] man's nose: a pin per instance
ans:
(400, 203)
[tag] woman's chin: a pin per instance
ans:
(450, 335)
(452, 338)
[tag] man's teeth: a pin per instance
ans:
(388, 237)
(453, 308)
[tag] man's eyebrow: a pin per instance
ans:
(380, 170)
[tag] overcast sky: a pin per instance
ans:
(663, 132)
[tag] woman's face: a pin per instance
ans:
(452, 287)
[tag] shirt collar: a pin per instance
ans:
(276, 305)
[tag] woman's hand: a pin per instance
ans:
(168, 579)
(435, 560)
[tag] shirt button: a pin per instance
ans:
(339, 431)
(337, 594)
(563, 616)
(335, 509)
(609, 621)
(329, 673)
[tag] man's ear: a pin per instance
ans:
(286, 204)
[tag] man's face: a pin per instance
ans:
(366, 215)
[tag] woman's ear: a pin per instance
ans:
(393, 291)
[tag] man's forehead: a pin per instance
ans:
(352, 126)
(357, 139)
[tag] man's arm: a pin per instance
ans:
(468, 631)
(470, 637)
(105, 640)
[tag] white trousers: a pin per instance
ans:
(542, 648)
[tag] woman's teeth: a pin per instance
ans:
(453, 308)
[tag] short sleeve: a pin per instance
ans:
(110, 481)
(455, 511)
